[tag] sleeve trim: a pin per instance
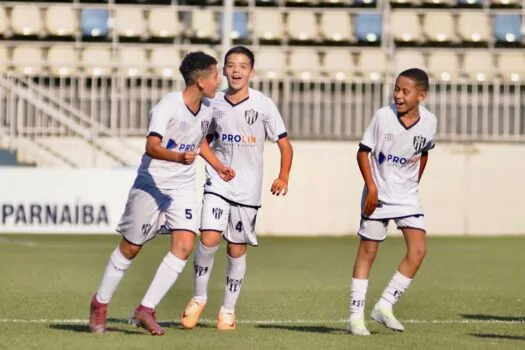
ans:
(156, 134)
(282, 136)
(363, 147)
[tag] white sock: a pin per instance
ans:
(358, 298)
(394, 290)
(114, 272)
(201, 271)
(234, 278)
(166, 275)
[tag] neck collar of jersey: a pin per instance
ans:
(238, 103)
(394, 109)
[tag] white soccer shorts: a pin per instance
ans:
(236, 222)
(376, 230)
(142, 217)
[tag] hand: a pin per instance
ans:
(187, 157)
(279, 186)
(226, 173)
(370, 201)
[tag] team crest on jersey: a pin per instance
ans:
(419, 142)
(205, 125)
(251, 116)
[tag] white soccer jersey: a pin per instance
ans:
(396, 152)
(240, 131)
(181, 130)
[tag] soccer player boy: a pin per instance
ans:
(165, 183)
(243, 119)
(392, 156)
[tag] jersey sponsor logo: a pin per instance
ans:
(419, 142)
(244, 140)
(394, 160)
(251, 116)
(171, 144)
(183, 147)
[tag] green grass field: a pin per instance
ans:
(468, 295)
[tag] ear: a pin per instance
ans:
(252, 73)
(200, 83)
(422, 96)
(224, 71)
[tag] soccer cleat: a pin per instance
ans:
(97, 316)
(386, 318)
(192, 313)
(145, 317)
(357, 326)
(226, 321)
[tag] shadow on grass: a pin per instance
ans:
(498, 336)
(482, 317)
(83, 328)
(307, 329)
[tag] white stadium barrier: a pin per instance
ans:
(474, 189)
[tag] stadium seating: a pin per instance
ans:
(97, 35)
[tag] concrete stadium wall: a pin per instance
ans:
(467, 190)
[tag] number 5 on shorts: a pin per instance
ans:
(189, 215)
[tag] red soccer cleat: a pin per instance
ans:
(145, 317)
(97, 316)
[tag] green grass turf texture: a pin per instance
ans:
(469, 292)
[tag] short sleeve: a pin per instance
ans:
(432, 142)
(159, 117)
(273, 123)
(369, 139)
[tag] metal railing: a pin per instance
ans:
(318, 109)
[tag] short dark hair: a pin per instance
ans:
(195, 63)
(419, 76)
(242, 50)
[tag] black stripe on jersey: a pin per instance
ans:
(198, 110)
(283, 135)
(156, 134)
(235, 104)
(232, 202)
(363, 147)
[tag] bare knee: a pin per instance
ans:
(129, 250)
(368, 250)
(417, 254)
(236, 250)
(182, 244)
(210, 239)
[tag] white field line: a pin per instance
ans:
(276, 322)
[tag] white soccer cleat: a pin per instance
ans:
(357, 326)
(386, 318)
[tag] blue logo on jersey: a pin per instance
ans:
(171, 144)
(236, 138)
(396, 159)
(381, 158)
(183, 147)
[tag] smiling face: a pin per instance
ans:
(238, 70)
(407, 94)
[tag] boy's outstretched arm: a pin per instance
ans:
(422, 164)
(209, 156)
(280, 185)
(366, 171)
(155, 150)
